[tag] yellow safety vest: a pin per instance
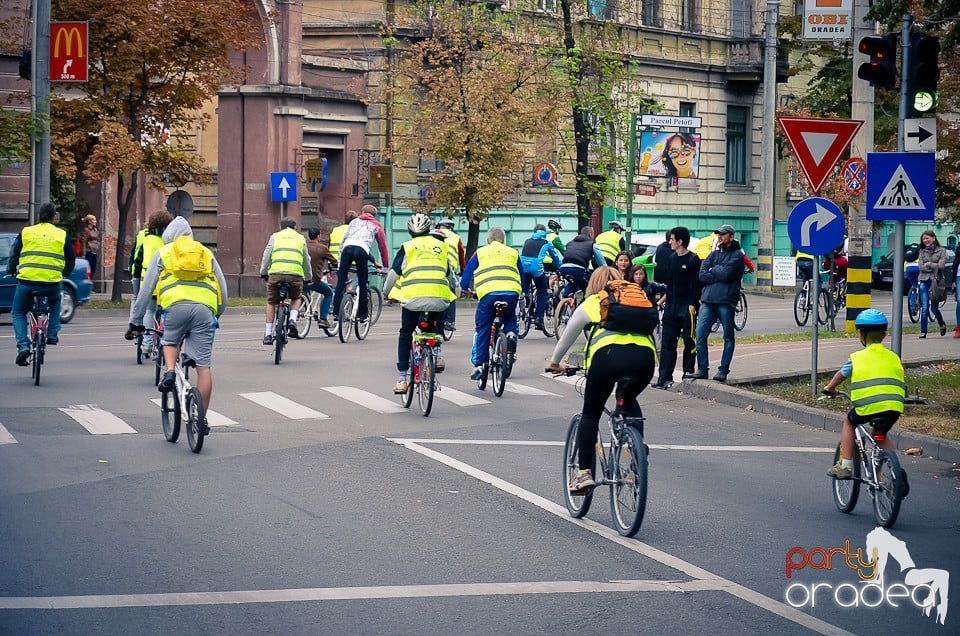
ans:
(600, 337)
(151, 243)
(877, 383)
(287, 254)
(496, 270)
(41, 257)
(171, 289)
(336, 238)
(802, 256)
(609, 244)
(550, 238)
(453, 249)
(138, 242)
(425, 271)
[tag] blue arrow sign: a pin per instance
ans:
(283, 186)
(816, 226)
(901, 186)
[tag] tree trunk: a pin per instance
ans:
(124, 203)
(580, 134)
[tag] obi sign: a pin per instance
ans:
(827, 19)
(69, 54)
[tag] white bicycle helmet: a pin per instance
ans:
(419, 224)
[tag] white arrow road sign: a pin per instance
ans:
(822, 217)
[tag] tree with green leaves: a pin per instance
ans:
(153, 65)
(465, 89)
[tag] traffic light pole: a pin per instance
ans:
(900, 227)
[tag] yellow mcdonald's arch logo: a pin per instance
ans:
(67, 33)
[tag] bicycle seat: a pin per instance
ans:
(187, 362)
(881, 425)
(283, 289)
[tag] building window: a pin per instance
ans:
(737, 127)
(688, 109)
(690, 20)
(429, 163)
(599, 9)
(741, 19)
(652, 13)
(549, 6)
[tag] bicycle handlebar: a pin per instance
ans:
(830, 396)
(567, 371)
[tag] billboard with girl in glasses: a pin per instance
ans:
(669, 154)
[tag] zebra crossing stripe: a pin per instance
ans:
(283, 406)
(97, 421)
(459, 397)
(365, 399)
(213, 418)
(522, 389)
(6, 437)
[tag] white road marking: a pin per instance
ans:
(681, 447)
(365, 399)
(97, 421)
(522, 389)
(213, 418)
(459, 397)
(754, 598)
(6, 437)
(283, 406)
(572, 380)
(353, 593)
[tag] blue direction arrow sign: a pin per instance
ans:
(901, 186)
(283, 186)
(816, 226)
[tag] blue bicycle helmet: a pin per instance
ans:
(871, 319)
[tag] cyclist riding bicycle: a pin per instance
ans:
(149, 241)
(534, 252)
(611, 243)
(40, 257)
(320, 260)
(193, 293)
(285, 260)
(609, 356)
(580, 254)
(361, 234)
(422, 280)
(497, 269)
(553, 237)
(878, 388)
(458, 260)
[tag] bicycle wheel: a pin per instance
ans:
(37, 358)
(195, 423)
(170, 414)
(447, 334)
(913, 304)
(406, 398)
(577, 505)
(628, 492)
(549, 318)
(498, 364)
(279, 334)
(305, 317)
(374, 304)
(345, 324)
(889, 493)
(564, 311)
(801, 308)
(824, 307)
(523, 317)
(740, 314)
(846, 491)
(362, 327)
(157, 360)
(428, 377)
(139, 345)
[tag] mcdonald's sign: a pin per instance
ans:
(69, 51)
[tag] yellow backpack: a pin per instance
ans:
(190, 260)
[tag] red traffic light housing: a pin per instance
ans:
(881, 70)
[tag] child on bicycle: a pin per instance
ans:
(609, 356)
(422, 279)
(877, 387)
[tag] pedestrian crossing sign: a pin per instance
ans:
(901, 186)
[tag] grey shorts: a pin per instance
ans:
(197, 323)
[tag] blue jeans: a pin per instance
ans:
(579, 282)
(543, 289)
(956, 296)
(327, 292)
(709, 312)
(926, 307)
(484, 320)
(23, 302)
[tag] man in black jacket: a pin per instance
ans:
(720, 275)
(680, 309)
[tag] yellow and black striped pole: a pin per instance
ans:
(858, 288)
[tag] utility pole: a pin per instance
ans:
(767, 167)
(900, 227)
(40, 108)
(859, 229)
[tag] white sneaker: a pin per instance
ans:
(402, 384)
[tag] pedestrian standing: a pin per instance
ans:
(680, 308)
(933, 261)
(720, 275)
(91, 242)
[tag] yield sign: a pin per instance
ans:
(818, 143)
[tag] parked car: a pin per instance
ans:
(882, 274)
(76, 287)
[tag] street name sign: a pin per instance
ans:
(901, 186)
(670, 121)
(816, 226)
(818, 144)
(283, 186)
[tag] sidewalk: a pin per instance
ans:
(763, 363)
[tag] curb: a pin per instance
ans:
(940, 449)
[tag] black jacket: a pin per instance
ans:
(720, 274)
(579, 251)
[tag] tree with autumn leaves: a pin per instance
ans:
(152, 67)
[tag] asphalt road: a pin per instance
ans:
(319, 506)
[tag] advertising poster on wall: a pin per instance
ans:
(669, 154)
